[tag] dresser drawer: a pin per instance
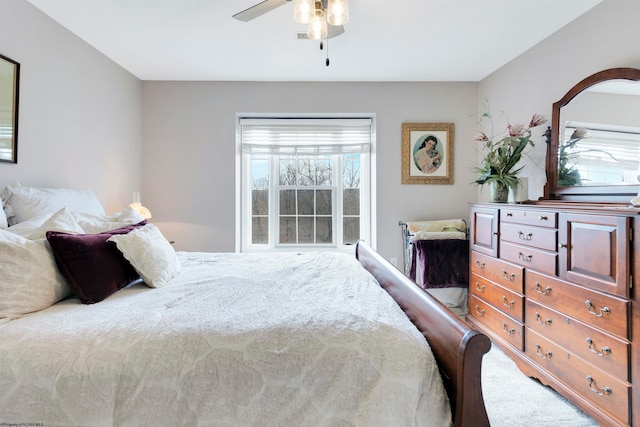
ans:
(504, 326)
(602, 350)
(547, 219)
(503, 299)
(604, 311)
(600, 388)
(531, 258)
(536, 237)
(503, 273)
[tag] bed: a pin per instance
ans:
(221, 339)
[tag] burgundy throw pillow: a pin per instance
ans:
(93, 268)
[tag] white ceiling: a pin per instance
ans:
(400, 40)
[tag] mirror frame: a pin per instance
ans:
(600, 193)
(14, 112)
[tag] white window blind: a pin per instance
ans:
(620, 143)
(305, 136)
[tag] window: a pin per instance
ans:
(305, 183)
(6, 142)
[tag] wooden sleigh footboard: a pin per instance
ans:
(458, 349)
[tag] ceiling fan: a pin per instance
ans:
(265, 6)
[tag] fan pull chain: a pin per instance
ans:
(322, 47)
(327, 61)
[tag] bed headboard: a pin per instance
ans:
(458, 349)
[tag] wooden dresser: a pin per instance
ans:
(554, 285)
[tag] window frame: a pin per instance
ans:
(243, 201)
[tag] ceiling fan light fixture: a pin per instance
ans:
(337, 12)
(303, 11)
(317, 27)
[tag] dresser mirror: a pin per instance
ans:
(594, 152)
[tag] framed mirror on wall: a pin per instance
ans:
(9, 95)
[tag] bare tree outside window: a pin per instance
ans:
(305, 194)
(260, 201)
(351, 198)
(305, 199)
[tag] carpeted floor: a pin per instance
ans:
(515, 400)
(512, 399)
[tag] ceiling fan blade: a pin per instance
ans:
(259, 9)
(332, 31)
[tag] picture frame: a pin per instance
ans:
(427, 153)
(9, 96)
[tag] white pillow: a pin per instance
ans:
(26, 228)
(22, 203)
(94, 223)
(30, 279)
(130, 216)
(60, 221)
(3, 217)
(150, 254)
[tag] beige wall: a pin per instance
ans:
(189, 148)
(79, 115)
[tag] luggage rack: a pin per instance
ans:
(407, 248)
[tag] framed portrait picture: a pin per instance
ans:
(427, 153)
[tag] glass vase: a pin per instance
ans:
(498, 192)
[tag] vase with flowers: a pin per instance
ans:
(502, 153)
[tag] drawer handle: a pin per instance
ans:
(543, 354)
(539, 320)
(506, 329)
(524, 257)
(506, 303)
(592, 385)
(480, 264)
(545, 291)
(543, 217)
(605, 351)
(509, 213)
(480, 312)
(563, 245)
(523, 236)
(508, 276)
(480, 288)
(591, 309)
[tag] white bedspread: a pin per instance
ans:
(234, 340)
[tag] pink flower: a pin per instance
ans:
(537, 120)
(481, 137)
(516, 130)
